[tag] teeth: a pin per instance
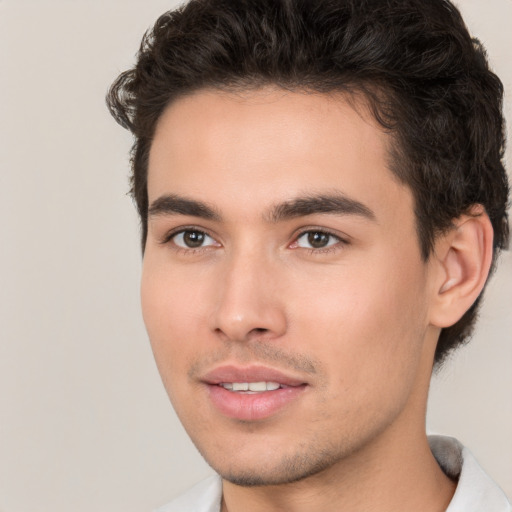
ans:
(258, 386)
(251, 386)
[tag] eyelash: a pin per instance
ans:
(340, 242)
(188, 229)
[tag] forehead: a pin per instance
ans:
(254, 148)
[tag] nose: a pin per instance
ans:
(249, 302)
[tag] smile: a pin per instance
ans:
(252, 393)
(250, 387)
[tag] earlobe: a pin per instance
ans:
(462, 259)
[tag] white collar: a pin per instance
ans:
(475, 491)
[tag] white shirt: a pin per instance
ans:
(475, 492)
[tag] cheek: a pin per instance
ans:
(170, 309)
(172, 296)
(368, 325)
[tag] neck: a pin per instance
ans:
(387, 478)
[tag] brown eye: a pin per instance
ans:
(316, 240)
(192, 239)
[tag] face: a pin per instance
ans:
(283, 289)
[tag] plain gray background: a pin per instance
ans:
(85, 424)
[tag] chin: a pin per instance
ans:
(264, 472)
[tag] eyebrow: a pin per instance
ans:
(173, 204)
(337, 203)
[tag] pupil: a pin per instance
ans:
(193, 238)
(318, 240)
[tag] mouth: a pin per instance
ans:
(252, 393)
(251, 387)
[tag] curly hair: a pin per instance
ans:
(426, 81)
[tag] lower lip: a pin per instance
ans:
(253, 406)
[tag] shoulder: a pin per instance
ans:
(476, 491)
(203, 497)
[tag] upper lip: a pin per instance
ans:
(254, 373)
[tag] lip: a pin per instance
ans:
(232, 373)
(247, 406)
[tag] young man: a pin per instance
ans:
(322, 198)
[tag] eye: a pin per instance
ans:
(192, 239)
(316, 240)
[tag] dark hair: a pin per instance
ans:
(424, 78)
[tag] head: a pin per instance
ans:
(263, 109)
(426, 82)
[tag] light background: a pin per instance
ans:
(85, 424)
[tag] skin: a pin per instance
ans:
(356, 321)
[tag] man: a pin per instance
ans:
(322, 198)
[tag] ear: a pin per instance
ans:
(462, 260)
